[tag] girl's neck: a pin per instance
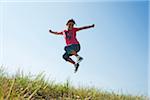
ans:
(70, 29)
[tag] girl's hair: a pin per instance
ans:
(70, 20)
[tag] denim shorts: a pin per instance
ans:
(72, 47)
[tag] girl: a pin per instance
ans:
(72, 44)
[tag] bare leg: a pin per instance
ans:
(67, 58)
(74, 53)
(70, 60)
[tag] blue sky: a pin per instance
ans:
(115, 52)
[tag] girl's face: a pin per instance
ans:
(70, 25)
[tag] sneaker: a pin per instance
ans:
(76, 67)
(79, 59)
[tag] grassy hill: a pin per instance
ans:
(28, 87)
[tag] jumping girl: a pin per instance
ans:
(72, 44)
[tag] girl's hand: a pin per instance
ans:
(50, 31)
(93, 25)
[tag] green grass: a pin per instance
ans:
(28, 87)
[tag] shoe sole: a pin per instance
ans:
(76, 69)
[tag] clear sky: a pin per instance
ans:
(115, 52)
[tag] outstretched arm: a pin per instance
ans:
(86, 27)
(56, 33)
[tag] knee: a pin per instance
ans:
(65, 57)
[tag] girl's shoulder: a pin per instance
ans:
(65, 30)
